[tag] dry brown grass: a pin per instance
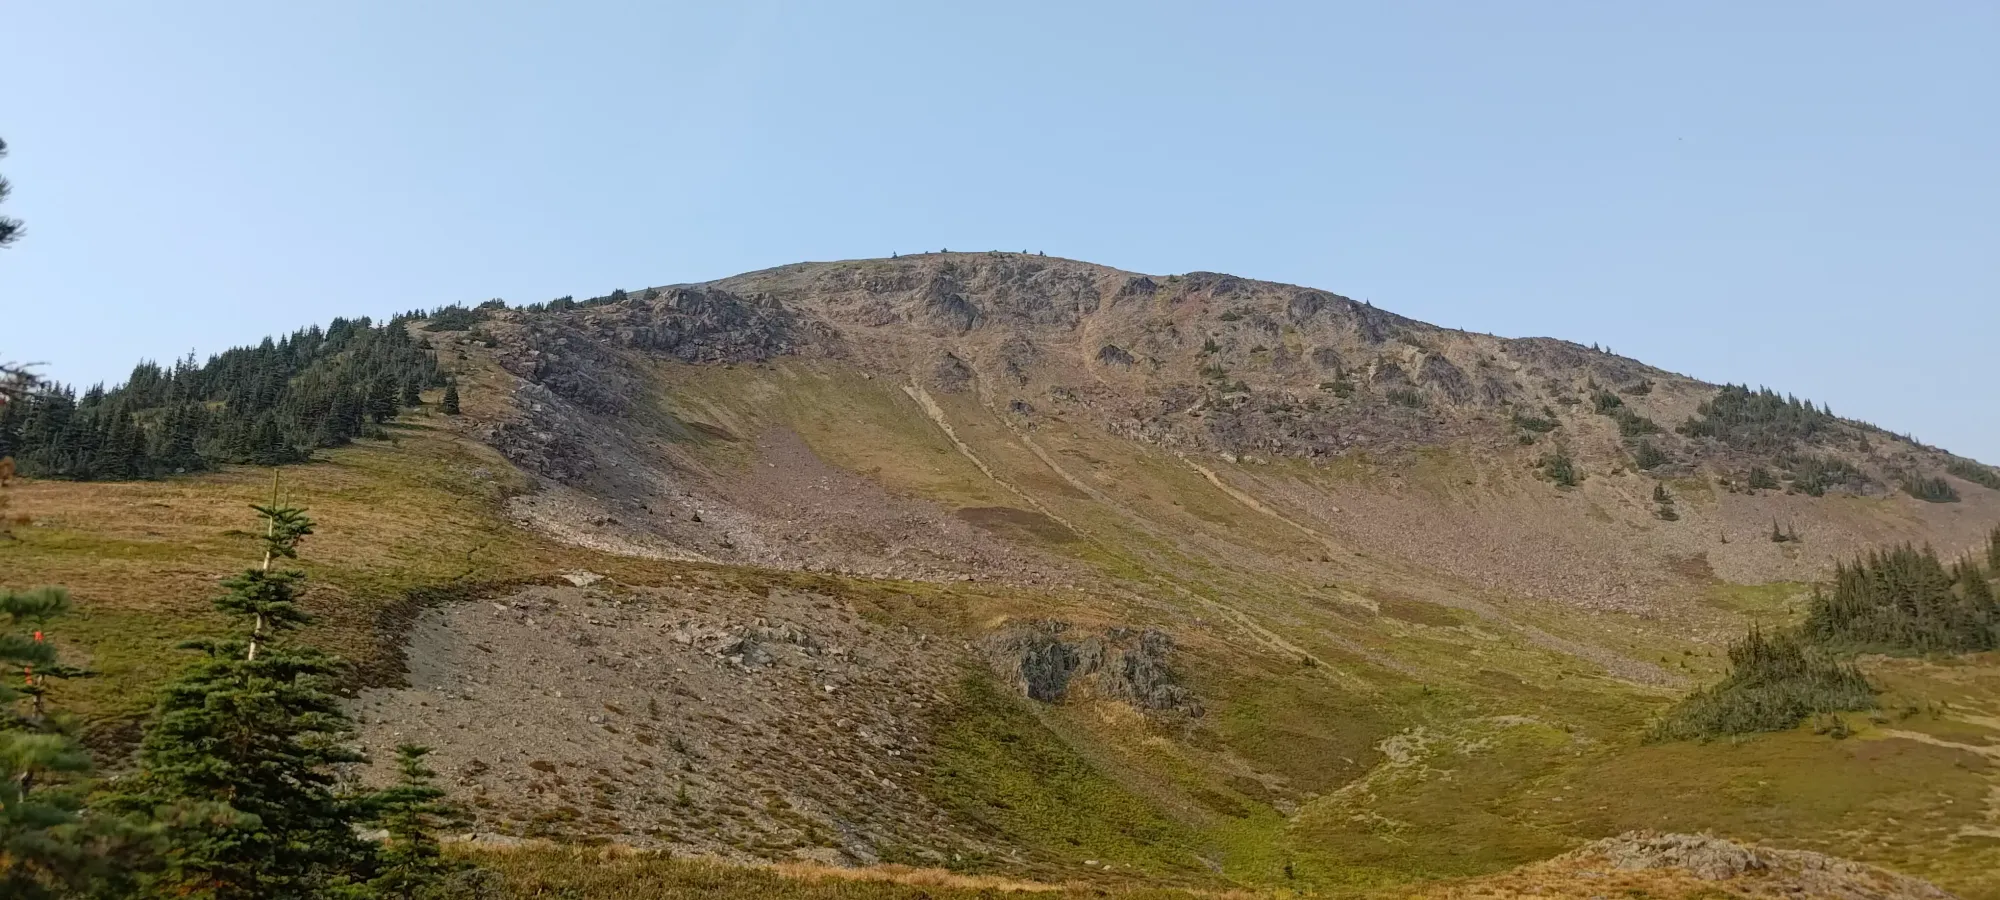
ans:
(613, 873)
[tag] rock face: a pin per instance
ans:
(1652, 864)
(1229, 364)
(1047, 661)
(1801, 873)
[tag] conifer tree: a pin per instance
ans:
(413, 867)
(450, 404)
(10, 229)
(237, 763)
(41, 763)
(48, 847)
(1665, 501)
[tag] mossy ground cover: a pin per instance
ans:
(998, 766)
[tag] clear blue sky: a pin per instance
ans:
(1805, 194)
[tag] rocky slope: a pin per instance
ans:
(1257, 379)
(1192, 578)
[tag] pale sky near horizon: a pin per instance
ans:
(1804, 195)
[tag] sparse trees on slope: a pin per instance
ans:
(450, 404)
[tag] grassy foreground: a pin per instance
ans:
(599, 874)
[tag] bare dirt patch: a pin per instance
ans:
(774, 726)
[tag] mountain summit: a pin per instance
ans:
(1028, 568)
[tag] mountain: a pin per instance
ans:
(1028, 567)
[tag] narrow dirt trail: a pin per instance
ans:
(1258, 633)
(1991, 752)
(936, 414)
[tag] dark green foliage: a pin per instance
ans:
(450, 405)
(1560, 468)
(1899, 601)
(49, 846)
(1930, 489)
(1647, 456)
(1631, 424)
(1759, 420)
(455, 318)
(1776, 680)
(1664, 504)
(1906, 600)
(1536, 424)
(1815, 475)
(265, 405)
(237, 766)
(46, 849)
(1993, 551)
(268, 597)
(10, 229)
(413, 812)
(1981, 475)
(1761, 479)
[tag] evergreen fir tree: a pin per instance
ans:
(47, 848)
(10, 229)
(1665, 504)
(450, 404)
(237, 764)
(381, 401)
(413, 866)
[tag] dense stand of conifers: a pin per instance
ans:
(1899, 601)
(270, 404)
